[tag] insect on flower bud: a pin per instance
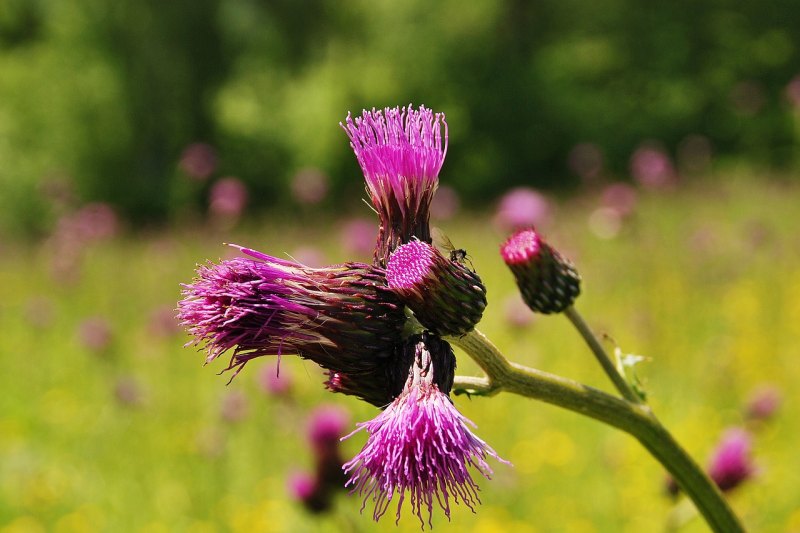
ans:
(446, 296)
(547, 280)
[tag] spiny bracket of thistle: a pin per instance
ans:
(342, 317)
(400, 151)
(420, 444)
(548, 282)
(445, 296)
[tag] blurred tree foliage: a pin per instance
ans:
(108, 94)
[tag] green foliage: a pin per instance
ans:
(109, 93)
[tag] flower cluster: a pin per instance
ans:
(353, 320)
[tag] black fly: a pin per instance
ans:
(457, 255)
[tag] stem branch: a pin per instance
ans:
(630, 416)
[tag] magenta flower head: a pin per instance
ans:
(446, 296)
(420, 444)
(732, 462)
(342, 317)
(400, 151)
(547, 281)
(763, 403)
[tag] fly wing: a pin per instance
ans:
(442, 241)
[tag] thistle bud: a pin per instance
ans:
(445, 296)
(547, 280)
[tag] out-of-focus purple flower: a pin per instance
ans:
(162, 322)
(234, 406)
(748, 97)
(358, 236)
(695, 154)
(586, 161)
(420, 444)
(732, 463)
(547, 281)
(763, 403)
(792, 92)
(92, 222)
(326, 427)
(95, 334)
(400, 151)
(74, 231)
(275, 379)
(303, 487)
(128, 391)
(651, 167)
(228, 198)
(445, 204)
(198, 161)
(445, 296)
(520, 208)
(620, 197)
(342, 317)
(308, 255)
(518, 314)
(309, 186)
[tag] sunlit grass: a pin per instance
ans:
(703, 281)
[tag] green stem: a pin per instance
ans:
(635, 419)
(602, 357)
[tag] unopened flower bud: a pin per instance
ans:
(446, 296)
(547, 280)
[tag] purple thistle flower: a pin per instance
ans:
(732, 463)
(400, 151)
(446, 296)
(342, 317)
(420, 444)
(198, 161)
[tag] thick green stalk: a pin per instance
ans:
(634, 418)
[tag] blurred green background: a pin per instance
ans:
(108, 95)
(659, 145)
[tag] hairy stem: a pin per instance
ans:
(602, 357)
(632, 417)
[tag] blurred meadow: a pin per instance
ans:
(118, 428)
(655, 146)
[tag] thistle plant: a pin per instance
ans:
(383, 332)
